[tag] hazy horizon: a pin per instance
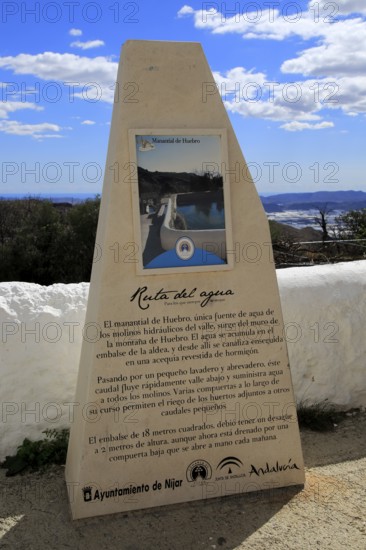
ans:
(70, 194)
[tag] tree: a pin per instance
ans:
(352, 225)
(82, 223)
(349, 226)
(323, 221)
(285, 248)
(34, 251)
(45, 244)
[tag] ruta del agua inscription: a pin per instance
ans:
(186, 390)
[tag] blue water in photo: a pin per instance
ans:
(203, 216)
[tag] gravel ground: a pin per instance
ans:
(330, 512)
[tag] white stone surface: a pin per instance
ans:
(324, 310)
(41, 335)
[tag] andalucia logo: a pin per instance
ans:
(229, 464)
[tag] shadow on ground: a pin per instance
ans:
(346, 442)
(35, 512)
(41, 519)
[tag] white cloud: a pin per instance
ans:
(58, 66)
(336, 65)
(36, 131)
(72, 70)
(351, 94)
(297, 126)
(87, 45)
(346, 7)
(7, 107)
(185, 10)
(239, 77)
(342, 51)
(256, 22)
(47, 136)
(75, 32)
(342, 42)
(252, 94)
(88, 122)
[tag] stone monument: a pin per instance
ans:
(184, 389)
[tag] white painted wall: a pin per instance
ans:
(39, 368)
(324, 310)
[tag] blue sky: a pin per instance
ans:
(292, 76)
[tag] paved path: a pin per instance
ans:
(329, 513)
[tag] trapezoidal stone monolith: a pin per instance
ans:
(184, 389)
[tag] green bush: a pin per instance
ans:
(37, 455)
(46, 243)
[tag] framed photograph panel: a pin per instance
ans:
(181, 200)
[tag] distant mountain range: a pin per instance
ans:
(72, 198)
(332, 200)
